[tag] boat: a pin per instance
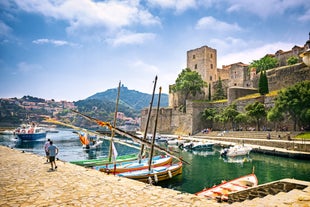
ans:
(104, 160)
(179, 141)
(237, 150)
(197, 145)
(31, 132)
(7, 132)
(220, 192)
(134, 165)
(155, 174)
(88, 141)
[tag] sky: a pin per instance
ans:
(72, 49)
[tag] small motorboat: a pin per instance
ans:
(237, 150)
(197, 145)
(176, 142)
(220, 192)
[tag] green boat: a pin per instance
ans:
(104, 161)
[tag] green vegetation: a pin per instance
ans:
(209, 114)
(188, 83)
(263, 83)
(304, 135)
(256, 111)
(219, 91)
(265, 63)
(292, 60)
(295, 101)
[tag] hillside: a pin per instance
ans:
(100, 105)
(129, 98)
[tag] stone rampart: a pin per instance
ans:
(285, 76)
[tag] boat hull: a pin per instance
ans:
(221, 191)
(104, 161)
(31, 136)
(156, 174)
(122, 167)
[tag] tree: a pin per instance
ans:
(219, 91)
(188, 82)
(209, 95)
(263, 83)
(257, 111)
(292, 60)
(241, 118)
(295, 101)
(265, 63)
(274, 115)
(209, 115)
(230, 113)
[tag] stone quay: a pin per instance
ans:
(26, 180)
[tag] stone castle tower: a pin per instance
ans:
(203, 60)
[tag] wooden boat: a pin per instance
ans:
(122, 167)
(31, 132)
(221, 191)
(105, 160)
(156, 174)
(237, 150)
(89, 142)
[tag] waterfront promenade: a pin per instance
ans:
(25, 180)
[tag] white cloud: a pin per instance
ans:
(305, 17)
(247, 56)
(210, 23)
(141, 66)
(178, 5)
(86, 13)
(125, 38)
(5, 30)
(53, 42)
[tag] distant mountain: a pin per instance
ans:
(130, 98)
(131, 102)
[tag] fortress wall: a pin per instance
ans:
(283, 77)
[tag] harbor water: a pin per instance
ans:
(205, 168)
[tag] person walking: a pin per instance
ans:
(52, 151)
(46, 145)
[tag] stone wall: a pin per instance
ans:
(175, 121)
(283, 77)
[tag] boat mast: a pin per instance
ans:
(154, 133)
(114, 123)
(148, 119)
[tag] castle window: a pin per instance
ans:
(195, 66)
(211, 55)
(211, 66)
(210, 78)
(194, 56)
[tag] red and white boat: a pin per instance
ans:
(221, 191)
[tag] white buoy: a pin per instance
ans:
(170, 174)
(155, 178)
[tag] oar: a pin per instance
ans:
(54, 121)
(123, 133)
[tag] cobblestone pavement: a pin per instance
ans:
(25, 180)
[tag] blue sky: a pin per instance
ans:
(72, 49)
